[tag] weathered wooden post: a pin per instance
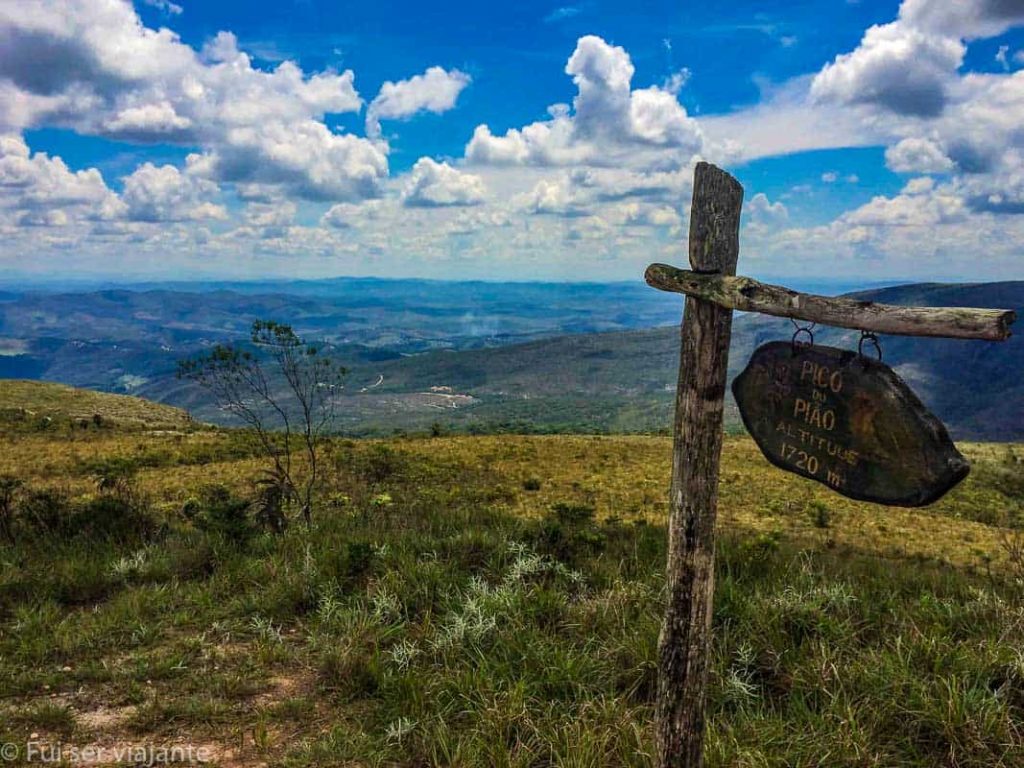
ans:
(700, 396)
(827, 414)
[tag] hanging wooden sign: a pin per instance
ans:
(847, 421)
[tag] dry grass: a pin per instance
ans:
(441, 613)
(623, 477)
(36, 401)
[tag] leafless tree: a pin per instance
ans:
(285, 390)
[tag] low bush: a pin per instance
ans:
(568, 533)
(223, 513)
(120, 517)
(46, 512)
(377, 465)
(9, 487)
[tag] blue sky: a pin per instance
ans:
(507, 141)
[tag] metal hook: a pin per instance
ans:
(805, 329)
(870, 337)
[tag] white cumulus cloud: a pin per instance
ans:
(968, 19)
(162, 193)
(908, 65)
(917, 155)
(438, 184)
(436, 90)
(896, 66)
(609, 123)
(40, 189)
(107, 74)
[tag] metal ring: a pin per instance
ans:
(867, 336)
(796, 336)
(806, 329)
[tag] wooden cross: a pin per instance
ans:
(713, 292)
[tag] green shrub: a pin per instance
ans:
(191, 508)
(46, 512)
(573, 514)
(568, 533)
(225, 514)
(359, 559)
(377, 465)
(81, 579)
(273, 490)
(113, 474)
(190, 556)
(753, 554)
(820, 514)
(9, 487)
(115, 517)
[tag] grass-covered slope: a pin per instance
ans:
(38, 405)
(496, 601)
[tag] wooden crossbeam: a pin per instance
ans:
(749, 295)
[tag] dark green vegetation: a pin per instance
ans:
(483, 358)
(495, 601)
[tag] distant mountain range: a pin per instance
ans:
(482, 356)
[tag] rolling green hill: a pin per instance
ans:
(38, 402)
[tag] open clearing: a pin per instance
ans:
(496, 601)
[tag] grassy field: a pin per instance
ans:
(494, 601)
(34, 405)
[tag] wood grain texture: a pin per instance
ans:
(685, 634)
(749, 295)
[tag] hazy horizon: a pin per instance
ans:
(85, 284)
